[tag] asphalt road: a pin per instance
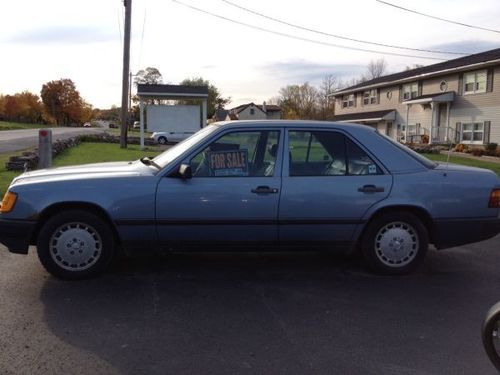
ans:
(291, 313)
(16, 140)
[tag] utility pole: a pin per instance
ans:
(125, 75)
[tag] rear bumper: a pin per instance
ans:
(16, 234)
(456, 232)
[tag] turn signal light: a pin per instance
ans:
(8, 202)
(494, 199)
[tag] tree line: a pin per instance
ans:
(59, 103)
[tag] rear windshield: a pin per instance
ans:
(415, 155)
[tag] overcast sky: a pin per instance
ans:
(51, 39)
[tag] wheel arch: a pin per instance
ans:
(56, 208)
(421, 213)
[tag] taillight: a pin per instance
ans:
(494, 199)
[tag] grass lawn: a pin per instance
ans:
(5, 125)
(495, 167)
(83, 154)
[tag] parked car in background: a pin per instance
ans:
(112, 125)
(87, 125)
(136, 125)
(166, 137)
(254, 185)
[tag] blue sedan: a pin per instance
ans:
(251, 185)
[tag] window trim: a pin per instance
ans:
(370, 99)
(346, 102)
(472, 131)
(410, 92)
(285, 171)
(475, 83)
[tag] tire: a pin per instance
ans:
(162, 140)
(75, 245)
(394, 243)
(490, 333)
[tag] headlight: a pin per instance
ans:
(8, 202)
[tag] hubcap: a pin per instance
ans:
(75, 246)
(396, 244)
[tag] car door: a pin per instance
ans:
(232, 196)
(329, 182)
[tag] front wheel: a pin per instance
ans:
(75, 245)
(162, 140)
(394, 243)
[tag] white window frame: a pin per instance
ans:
(348, 101)
(475, 82)
(370, 97)
(410, 91)
(472, 131)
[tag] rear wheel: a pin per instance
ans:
(395, 243)
(162, 140)
(75, 245)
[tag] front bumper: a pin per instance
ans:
(457, 232)
(16, 234)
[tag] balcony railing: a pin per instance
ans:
(443, 134)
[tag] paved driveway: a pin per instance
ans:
(15, 140)
(250, 314)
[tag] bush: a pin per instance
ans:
(477, 152)
(461, 148)
(491, 147)
(425, 138)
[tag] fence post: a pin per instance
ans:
(44, 148)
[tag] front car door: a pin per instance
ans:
(329, 182)
(233, 195)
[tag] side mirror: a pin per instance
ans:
(185, 171)
(491, 335)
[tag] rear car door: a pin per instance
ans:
(232, 196)
(329, 182)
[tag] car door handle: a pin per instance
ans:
(371, 189)
(264, 190)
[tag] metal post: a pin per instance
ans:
(204, 113)
(141, 119)
(44, 148)
(125, 73)
(407, 117)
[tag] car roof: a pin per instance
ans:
(294, 123)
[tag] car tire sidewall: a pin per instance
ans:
(56, 221)
(368, 243)
(162, 140)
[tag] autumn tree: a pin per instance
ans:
(215, 98)
(299, 101)
(64, 103)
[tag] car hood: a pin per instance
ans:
(86, 171)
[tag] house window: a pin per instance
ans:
(475, 82)
(473, 132)
(410, 91)
(348, 101)
(370, 97)
(252, 111)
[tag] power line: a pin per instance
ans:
(302, 38)
(438, 18)
(336, 35)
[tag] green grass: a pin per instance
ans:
(102, 152)
(495, 167)
(5, 125)
(5, 175)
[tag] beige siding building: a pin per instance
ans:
(253, 111)
(455, 101)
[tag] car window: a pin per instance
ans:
(238, 154)
(326, 153)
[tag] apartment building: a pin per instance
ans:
(454, 101)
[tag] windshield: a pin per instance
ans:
(175, 151)
(422, 159)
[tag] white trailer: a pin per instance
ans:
(173, 123)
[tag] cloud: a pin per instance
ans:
(299, 71)
(63, 35)
(466, 46)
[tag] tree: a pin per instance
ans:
(328, 85)
(375, 69)
(63, 102)
(149, 76)
(299, 101)
(215, 98)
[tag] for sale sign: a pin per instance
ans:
(229, 163)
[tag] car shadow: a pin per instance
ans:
(245, 313)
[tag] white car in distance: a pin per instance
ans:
(165, 137)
